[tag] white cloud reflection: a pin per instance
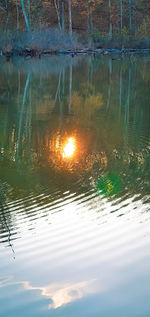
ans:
(62, 294)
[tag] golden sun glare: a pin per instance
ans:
(69, 148)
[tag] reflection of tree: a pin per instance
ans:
(70, 86)
(22, 112)
(5, 220)
(85, 107)
(110, 84)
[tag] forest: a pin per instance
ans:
(102, 23)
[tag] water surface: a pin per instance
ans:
(74, 187)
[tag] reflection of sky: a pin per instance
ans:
(59, 294)
(77, 255)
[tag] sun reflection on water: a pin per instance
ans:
(69, 148)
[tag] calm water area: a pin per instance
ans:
(75, 186)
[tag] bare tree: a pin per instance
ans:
(121, 16)
(70, 17)
(90, 17)
(63, 17)
(110, 20)
(130, 15)
(3, 9)
(57, 7)
(25, 16)
(17, 9)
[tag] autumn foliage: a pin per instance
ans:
(89, 19)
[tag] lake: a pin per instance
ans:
(74, 186)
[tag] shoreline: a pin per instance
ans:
(72, 52)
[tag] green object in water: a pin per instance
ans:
(109, 184)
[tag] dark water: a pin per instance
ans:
(74, 187)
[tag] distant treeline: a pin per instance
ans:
(94, 17)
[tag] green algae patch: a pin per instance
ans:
(109, 184)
